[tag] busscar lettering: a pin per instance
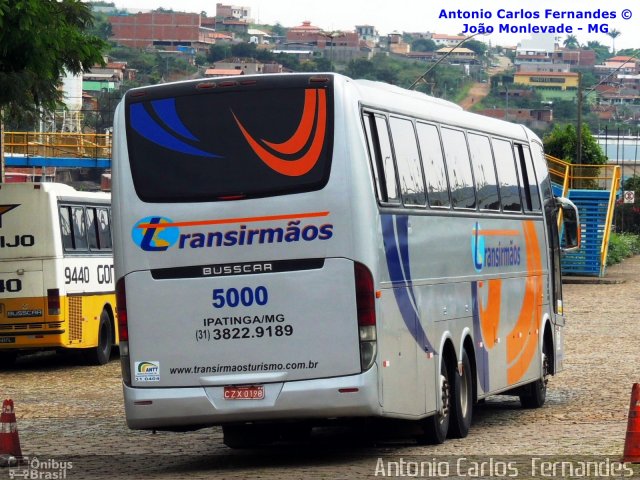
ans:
(217, 270)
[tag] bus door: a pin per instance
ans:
(550, 212)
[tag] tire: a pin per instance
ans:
(534, 395)
(436, 427)
(102, 352)
(462, 400)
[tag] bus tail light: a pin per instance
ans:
(123, 331)
(366, 308)
(121, 305)
(53, 301)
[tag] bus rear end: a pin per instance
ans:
(29, 312)
(239, 294)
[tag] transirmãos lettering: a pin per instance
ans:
(293, 232)
(502, 256)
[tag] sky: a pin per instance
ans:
(424, 15)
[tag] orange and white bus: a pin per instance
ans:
(296, 248)
(56, 271)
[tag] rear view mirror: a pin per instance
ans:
(570, 225)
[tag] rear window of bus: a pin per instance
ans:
(238, 142)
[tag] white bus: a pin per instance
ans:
(56, 271)
(293, 248)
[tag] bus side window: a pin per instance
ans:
(433, 164)
(507, 176)
(459, 169)
(79, 228)
(65, 228)
(104, 229)
(542, 173)
(374, 155)
(484, 172)
(529, 184)
(384, 158)
(92, 228)
(408, 162)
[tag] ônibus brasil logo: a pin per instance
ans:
(150, 234)
(158, 234)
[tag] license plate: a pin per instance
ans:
(7, 339)
(253, 392)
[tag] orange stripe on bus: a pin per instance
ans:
(302, 165)
(302, 135)
(223, 221)
(490, 316)
(523, 339)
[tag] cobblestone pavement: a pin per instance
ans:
(75, 413)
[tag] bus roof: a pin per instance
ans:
(388, 97)
(57, 189)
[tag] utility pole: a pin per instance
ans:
(579, 118)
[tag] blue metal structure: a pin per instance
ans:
(35, 161)
(592, 206)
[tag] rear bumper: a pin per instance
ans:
(32, 340)
(149, 408)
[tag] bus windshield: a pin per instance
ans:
(229, 142)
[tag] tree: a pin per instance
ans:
(218, 52)
(423, 45)
(629, 52)
(244, 50)
(602, 51)
(478, 47)
(562, 140)
(101, 26)
(571, 42)
(40, 40)
(278, 30)
(361, 68)
(614, 34)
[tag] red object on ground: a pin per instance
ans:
(9, 441)
(632, 442)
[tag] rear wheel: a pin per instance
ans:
(461, 400)
(535, 394)
(435, 428)
(102, 352)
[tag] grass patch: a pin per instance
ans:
(462, 93)
(621, 246)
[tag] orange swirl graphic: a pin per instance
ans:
(305, 162)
